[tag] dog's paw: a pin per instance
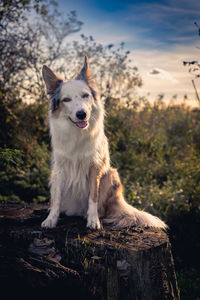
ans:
(93, 222)
(49, 223)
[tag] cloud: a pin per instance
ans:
(154, 71)
(161, 74)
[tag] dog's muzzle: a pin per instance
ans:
(80, 124)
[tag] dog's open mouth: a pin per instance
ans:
(80, 124)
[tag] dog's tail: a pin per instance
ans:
(126, 215)
(120, 214)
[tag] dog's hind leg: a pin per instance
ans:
(92, 213)
(56, 187)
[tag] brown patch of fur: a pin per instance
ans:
(95, 179)
(110, 192)
(58, 110)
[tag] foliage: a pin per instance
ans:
(157, 152)
(10, 156)
(29, 182)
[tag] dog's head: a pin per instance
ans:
(74, 101)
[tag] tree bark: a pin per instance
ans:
(73, 262)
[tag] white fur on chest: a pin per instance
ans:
(75, 190)
(74, 152)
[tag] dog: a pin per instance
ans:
(83, 183)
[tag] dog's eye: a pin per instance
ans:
(85, 95)
(66, 99)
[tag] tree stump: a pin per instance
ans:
(73, 262)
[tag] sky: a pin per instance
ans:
(159, 34)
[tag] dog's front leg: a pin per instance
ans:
(52, 219)
(92, 213)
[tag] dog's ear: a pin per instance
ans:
(85, 72)
(51, 80)
(85, 75)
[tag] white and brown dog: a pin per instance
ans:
(82, 181)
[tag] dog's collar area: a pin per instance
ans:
(79, 124)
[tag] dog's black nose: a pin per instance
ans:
(81, 115)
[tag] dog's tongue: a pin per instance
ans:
(81, 124)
